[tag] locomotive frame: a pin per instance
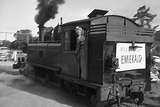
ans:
(83, 67)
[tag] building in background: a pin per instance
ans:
(23, 35)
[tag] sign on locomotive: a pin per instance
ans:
(105, 57)
(130, 59)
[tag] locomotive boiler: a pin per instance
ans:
(105, 57)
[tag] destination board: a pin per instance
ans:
(130, 57)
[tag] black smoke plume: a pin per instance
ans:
(47, 9)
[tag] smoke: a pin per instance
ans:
(47, 9)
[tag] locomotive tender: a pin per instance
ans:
(106, 57)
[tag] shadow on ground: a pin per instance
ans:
(43, 90)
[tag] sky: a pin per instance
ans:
(19, 14)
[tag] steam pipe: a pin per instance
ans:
(61, 21)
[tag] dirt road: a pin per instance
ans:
(19, 91)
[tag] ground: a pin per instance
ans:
(152, 98)
(19, 91)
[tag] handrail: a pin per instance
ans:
(44, 42)
(123, 30)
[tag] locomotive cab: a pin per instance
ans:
(121, 59)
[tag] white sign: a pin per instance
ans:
(130, 58)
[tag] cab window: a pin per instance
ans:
(70, 40)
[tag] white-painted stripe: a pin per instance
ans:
(54, 44)
(44, 44)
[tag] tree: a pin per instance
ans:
(144, 18)
(156, 44)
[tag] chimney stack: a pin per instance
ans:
(41, 27)
(61, 21)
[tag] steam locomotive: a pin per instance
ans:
(105, 57)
